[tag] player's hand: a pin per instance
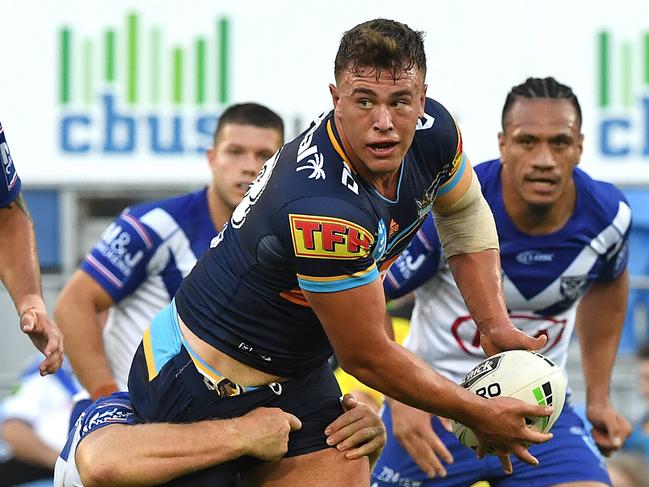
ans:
(359, 431)
(265, 432)
(413, 429)
(46, 336)
(508, 337)
(610, 428)
(502, 426)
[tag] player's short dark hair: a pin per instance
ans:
(249, 114)
(540, 88)
(381, 45)
(643, 351)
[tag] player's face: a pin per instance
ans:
(237, 157)
(539, 149)
(376, 118)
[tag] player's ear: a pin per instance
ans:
(335, 97)
(580, 147)
(423, 99)
(501, 145)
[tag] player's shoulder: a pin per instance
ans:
(437, 134)
(163, 217)
(602, 199)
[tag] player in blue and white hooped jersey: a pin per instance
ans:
(19, 267)
(564, 249)
(135, 268)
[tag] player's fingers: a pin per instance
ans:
(439, 447)
(506, 463)
(349, 402)
(365, 449)
(523, 454)
(293, 422)
(346, 419)
(424, 457)
(538, 342)
(355, 438)
(27, 321)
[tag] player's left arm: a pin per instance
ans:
(600, 318)
(20, 273)
(468, 235)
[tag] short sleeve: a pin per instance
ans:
(329, 242)
(118, 261)
(417, 264)
(9, 182)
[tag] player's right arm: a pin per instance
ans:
(353, 321)
(78, 313)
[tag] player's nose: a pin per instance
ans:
(382, 118)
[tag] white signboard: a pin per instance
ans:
(128, 91)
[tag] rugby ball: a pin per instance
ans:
(521, 374)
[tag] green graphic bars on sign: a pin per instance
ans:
(623, 67)
(141, 57)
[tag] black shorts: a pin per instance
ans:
(178, 393)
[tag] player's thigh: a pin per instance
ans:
(323, 468)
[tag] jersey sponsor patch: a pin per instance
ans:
(322, 237)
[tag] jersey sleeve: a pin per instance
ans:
(9, 182)
(617, 254)
(329, 242)
(118, 261)
(114, 409)
(440, 140)
(417, 264)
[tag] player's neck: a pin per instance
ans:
(540, 220)
(219, 212)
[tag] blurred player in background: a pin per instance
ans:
(134, 270)
(296, 270)
(564, 250)
(19, 267)
(34, 423)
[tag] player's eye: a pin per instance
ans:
(365, 103)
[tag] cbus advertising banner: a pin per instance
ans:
(128, 92)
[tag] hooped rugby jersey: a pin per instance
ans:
(309, 222)
(140, 260)
(106, 411)
(544, 275)
(9, 182)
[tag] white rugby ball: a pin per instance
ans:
(524, 375)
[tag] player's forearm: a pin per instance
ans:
(78, 320)
(478, 277)
(192, 447)
(399, 374)
(26, 445)
(600, 318)
(19, 268)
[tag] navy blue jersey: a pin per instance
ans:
(9, 182)
(544, 276)
(309, 222)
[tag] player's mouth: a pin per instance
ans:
(542, 184)
(382, 149)
(242, 187)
